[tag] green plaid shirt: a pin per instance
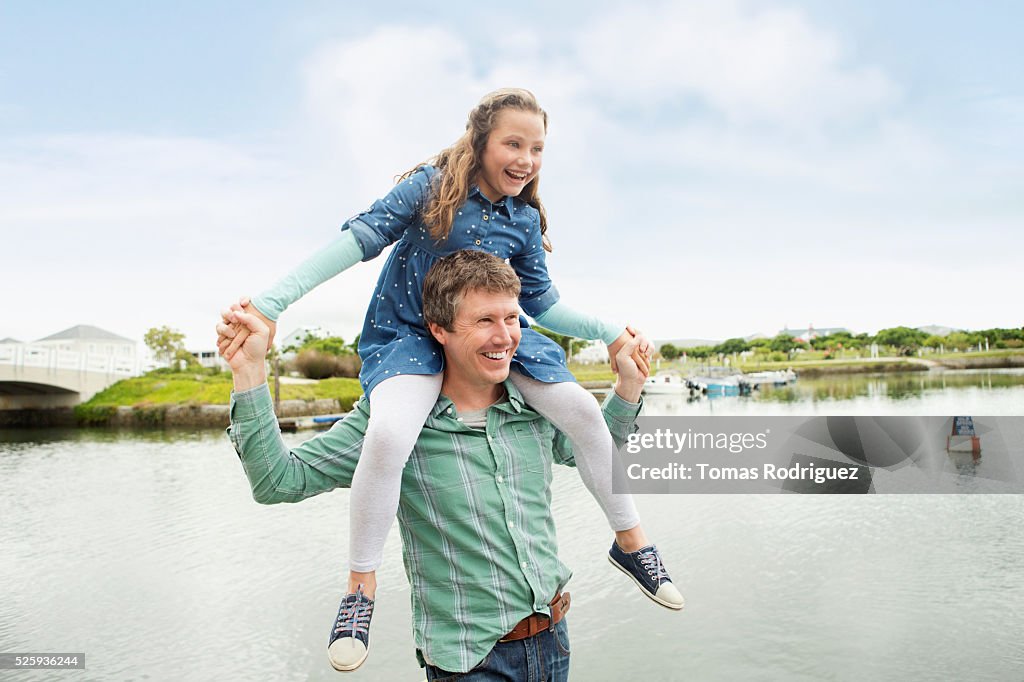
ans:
(478, 536)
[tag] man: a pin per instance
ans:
(478, 536)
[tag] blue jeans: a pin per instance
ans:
(541, 658)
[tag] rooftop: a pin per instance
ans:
(85, 331)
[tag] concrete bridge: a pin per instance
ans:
(34, 377)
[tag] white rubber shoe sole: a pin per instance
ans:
(673, 604)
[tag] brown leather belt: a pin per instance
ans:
(538, 622)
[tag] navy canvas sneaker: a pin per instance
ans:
(645, 568)
(350, 636)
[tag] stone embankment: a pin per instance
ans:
(208, 415)
(149, 416)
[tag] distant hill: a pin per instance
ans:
(685, 343)
(931, 330)
(937, 330)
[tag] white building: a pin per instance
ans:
(82, 347)
(593, 352)
(86, 339)
(298, 337)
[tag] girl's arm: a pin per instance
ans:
(335, 258)
(363, 237)
(562, 319)
(540, 300)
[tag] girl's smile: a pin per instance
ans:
(512, 157)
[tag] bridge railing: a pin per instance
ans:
(26, 355)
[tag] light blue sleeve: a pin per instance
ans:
(339, 255)
(562, 319)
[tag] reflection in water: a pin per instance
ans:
(895, 386)
(991, 392)
(146, 551)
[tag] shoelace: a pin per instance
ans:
(354, 615)
(651, 561)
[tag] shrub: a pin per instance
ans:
(94, 415)
(313, 364)
(147, 414)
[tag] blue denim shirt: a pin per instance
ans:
(394, 338)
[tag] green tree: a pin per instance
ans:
(561, 339)
(167, 344)
(730, 346)
(670, 351)
(904, 339)
(784, 343)
(331, 345)
(700, 352)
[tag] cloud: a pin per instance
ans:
(744, 65)
(707, 163)
(385, 100)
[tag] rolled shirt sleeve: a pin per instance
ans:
(538, 292)
(387, 219)
(279, 474)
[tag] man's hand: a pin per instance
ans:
(248, 361)
(629, 381)
(229, 342)
(642, 354)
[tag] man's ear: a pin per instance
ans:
(438, 332)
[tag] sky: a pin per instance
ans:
(712, 169)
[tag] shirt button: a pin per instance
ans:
(490, 439)
(478, 242)
(511, 525)
(500, 479)
(524, 564)
(449, 410)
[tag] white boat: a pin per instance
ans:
(776, 378)
(715, 386)
(668, 383)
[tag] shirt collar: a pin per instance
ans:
(514, 402)
(508, 203)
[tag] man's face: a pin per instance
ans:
(478, 350)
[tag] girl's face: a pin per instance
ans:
(512, 156)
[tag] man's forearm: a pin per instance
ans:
(249, 376)
(277, 474)
(629, 390)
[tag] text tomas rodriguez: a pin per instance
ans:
(768, 472)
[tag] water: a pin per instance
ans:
(146, 551)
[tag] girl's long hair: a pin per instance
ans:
(458, 165)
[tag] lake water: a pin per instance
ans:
(145, 551)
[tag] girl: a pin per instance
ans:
(480, 193)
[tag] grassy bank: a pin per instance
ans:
(819, 367)
(813, 364)
(151, 393)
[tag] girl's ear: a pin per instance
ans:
(438, 332)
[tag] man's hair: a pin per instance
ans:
(457, 274)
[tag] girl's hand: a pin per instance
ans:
(642, 354)
(232, 338)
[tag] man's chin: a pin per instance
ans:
(497, 375)
(502, 374)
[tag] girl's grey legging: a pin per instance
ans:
(399, 407)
